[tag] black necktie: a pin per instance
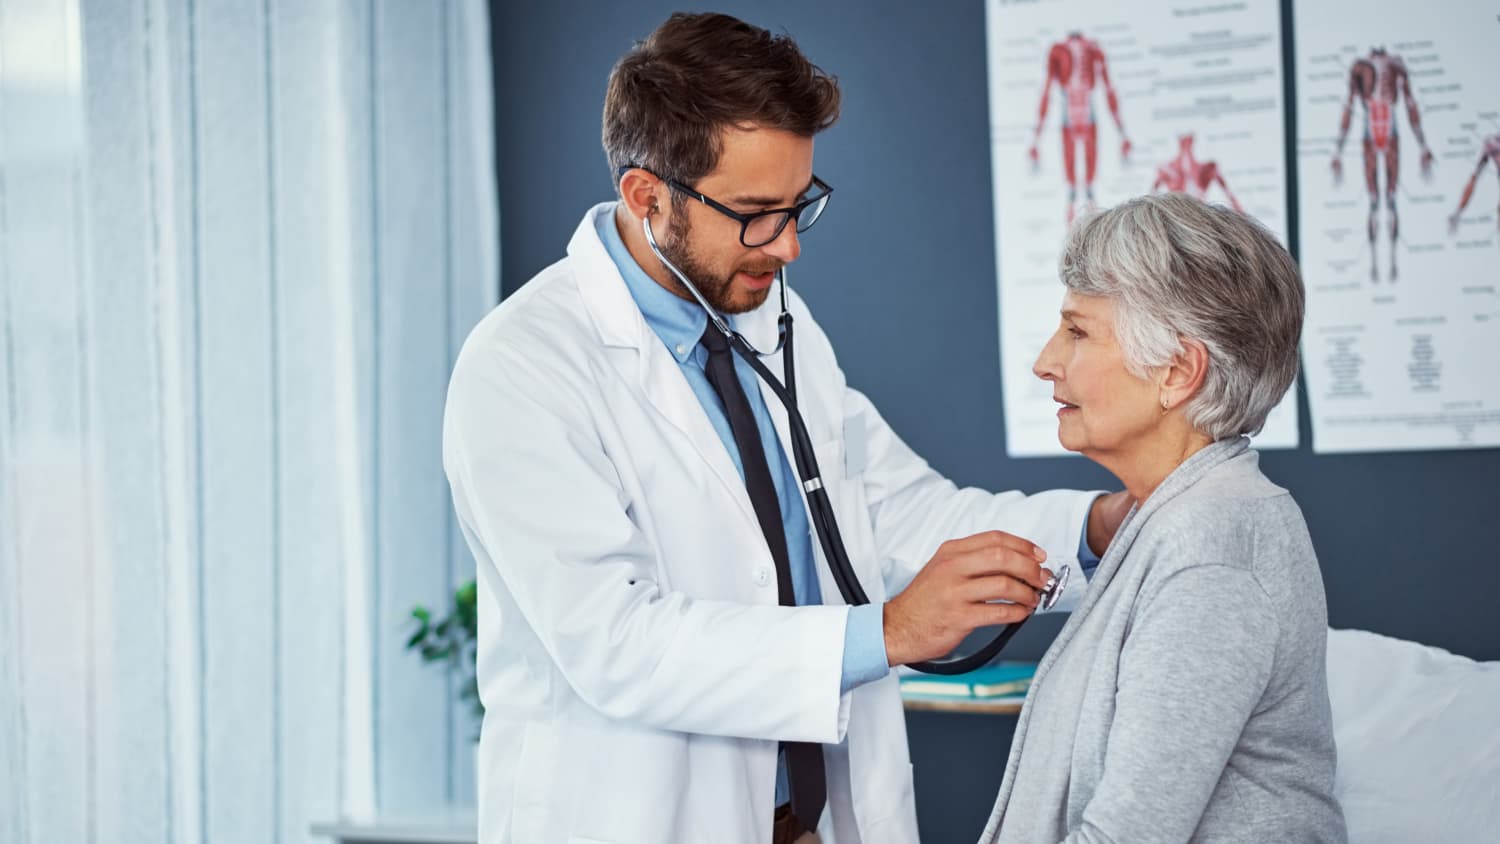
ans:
(804, 760)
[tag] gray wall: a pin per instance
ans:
(901, 274)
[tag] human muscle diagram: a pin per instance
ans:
(1380, 83)
(1398, 118)
(1075, 67)
(1488, 155)
(1186, 174)
(1094, 102)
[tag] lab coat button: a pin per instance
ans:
(762, 576)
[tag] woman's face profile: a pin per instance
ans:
(1103, 409)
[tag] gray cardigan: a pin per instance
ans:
(1187, 697)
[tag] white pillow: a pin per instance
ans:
(1418, 734)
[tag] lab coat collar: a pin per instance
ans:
(621, 325)
(613, 310)
(678, 322)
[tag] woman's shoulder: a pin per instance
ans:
(1238, 479)
(1236, 485)
(1230, 516)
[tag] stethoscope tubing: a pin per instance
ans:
(825, 524)
(819, 506)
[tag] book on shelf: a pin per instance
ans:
(1001, 679)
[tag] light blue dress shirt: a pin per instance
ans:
(1087, 559)
(680, 325)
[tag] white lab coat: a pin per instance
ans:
(635, 669)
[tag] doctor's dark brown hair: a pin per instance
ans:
(670, 96)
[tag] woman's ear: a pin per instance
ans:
(638, 192)
(1182, 378)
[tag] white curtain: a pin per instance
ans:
(240, 243)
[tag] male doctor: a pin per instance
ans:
(663, 654)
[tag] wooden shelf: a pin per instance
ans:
(1009, 705)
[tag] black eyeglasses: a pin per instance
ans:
(761, 227)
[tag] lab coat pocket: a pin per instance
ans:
(856, 446)
(846, 493)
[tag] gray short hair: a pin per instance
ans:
(1177, 268)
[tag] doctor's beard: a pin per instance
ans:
(717, 288)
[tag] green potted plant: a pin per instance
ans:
(452, 640)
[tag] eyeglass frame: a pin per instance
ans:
(792, 212)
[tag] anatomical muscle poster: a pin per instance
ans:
(1398, 156)
(1094, 102)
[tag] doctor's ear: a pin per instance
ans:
(639, 191)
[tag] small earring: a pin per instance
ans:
(1165, 406)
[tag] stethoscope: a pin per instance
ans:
(818, 504)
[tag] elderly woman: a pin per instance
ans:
(1187, 697)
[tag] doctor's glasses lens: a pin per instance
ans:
(760, 229)
(764, 228)
(811, 212)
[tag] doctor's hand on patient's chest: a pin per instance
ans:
(951, 595)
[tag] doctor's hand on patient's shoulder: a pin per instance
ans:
(951, 595)
(1105, 516)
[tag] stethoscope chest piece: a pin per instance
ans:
(1054, 589)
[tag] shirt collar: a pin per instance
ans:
(678, 322)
